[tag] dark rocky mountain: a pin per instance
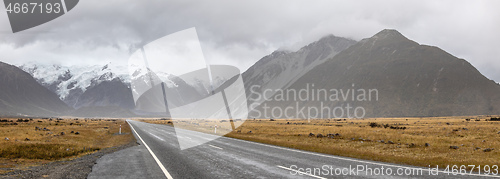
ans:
(107, 93)
(152, 103)
(411, 80)
(282, 68)
(20, 94)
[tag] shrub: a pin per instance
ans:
(374, 124)
(495, 119)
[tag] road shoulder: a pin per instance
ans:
(76, 168)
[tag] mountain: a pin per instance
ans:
(107, 93)
(282, 68)
(20, 94)
(80, 86)
(385, 75)
(178, 91)
(408, 79)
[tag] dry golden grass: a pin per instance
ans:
(28, 146)
(359, 140)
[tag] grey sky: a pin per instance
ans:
(242, 32)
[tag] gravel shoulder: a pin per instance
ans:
(76, 168)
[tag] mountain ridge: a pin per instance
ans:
(413, 79)
(20, 94)
(282, 68)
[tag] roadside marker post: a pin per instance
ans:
(120, 132)
(215, 129)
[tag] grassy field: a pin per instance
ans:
(450, 140)
(28, 142)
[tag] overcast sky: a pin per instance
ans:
(242, 32)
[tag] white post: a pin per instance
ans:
(120, 132)
(216, 129)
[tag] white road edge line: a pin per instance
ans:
(153, 154)
(354, 160)
(300, 172)
(215, 147)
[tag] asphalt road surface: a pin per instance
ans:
(159, 156)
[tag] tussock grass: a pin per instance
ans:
(42, 151)
(28, 145)
(358, 139)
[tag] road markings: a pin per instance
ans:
(215, 147)
(159, 138)
(300, 172)
(360, 161)
(153, 154)
(340, 158)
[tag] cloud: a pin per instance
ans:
(241, 32)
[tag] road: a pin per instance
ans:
(159, 156)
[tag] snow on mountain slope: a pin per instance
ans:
(70, 82)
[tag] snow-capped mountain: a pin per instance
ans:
(86, 87)
(71, 82)
(148, 92)
(142, 80)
